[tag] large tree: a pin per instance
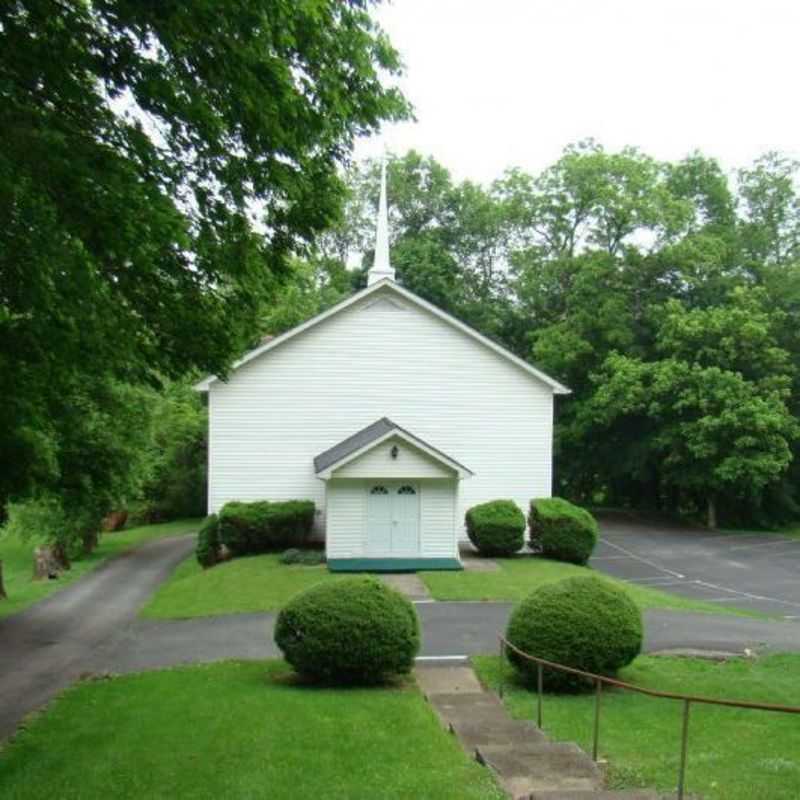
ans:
(159, 160)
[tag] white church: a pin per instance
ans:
(388, 413)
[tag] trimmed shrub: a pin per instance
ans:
(305, 558)
(207, 550)
(561, 530)
(586, 623)
(496, 528)
(353, 631)
(264, 526)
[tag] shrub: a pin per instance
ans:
(207, 551)
(496, 528)
(305, 558)
(355, 630)
(586, 623)
(263, 526)
(561, 530)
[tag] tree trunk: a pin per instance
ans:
(712, 512)
(49, 563)
(3, 594)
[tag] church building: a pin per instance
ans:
(391, 415)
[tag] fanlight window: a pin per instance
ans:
(379, 490)
(406, 490)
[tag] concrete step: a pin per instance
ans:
(495, 731)
(530, 767)
(628, 794)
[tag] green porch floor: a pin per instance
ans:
(392, 564)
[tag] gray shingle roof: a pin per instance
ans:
(364, 437)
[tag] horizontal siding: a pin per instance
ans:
(280, 410)
(346, 516)
(378, 463)
(437, 514)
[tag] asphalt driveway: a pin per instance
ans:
(757, 571)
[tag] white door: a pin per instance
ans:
(405, 520)
(379, 520)
(393, 520)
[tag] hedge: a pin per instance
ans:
(561, 530)
(352, 631)
(583, 622)
(207, 550)
(264, 526)
(496, 528)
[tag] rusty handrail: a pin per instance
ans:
(600, 680)
(651, 692)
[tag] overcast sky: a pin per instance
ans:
(498, 83)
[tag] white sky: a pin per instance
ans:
(499, 83)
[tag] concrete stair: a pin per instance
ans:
(528, 765)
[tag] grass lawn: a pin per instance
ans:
(733, 754)
(252, 583)
(517, 577)
(237, 730)
(17, 558)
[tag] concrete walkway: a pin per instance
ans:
(528, 765)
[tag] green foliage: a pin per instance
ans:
(561, 530)
(159, 164)
(585, 623)
(496, 528)
(175, 477)
(356, 630)
(207, 550)
(263, 526)
(305, 558)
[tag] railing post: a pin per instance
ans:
(539, 682)
(502, 668)
(684, 741)
(598, 695)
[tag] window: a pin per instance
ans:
(406, 490)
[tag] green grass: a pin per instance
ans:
(237, 730)
(17, 558)
(253, 583)
(518, 577)
(733, 754)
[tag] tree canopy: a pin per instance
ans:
(160, 165)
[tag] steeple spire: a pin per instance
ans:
(381, 268)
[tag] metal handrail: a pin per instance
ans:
(601, 680)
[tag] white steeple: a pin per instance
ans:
(381, 268)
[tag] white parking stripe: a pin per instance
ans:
(643, 560)
(747, 594)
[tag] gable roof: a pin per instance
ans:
(388, 284)
(361, 441)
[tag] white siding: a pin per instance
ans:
(437, 512)
(346, 519)
(280, 410)
(378, 463)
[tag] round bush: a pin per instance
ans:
(207, 550)
(561, 530)
(496, 528)
(356, 630)
(586, 623)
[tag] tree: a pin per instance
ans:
(158, 164)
